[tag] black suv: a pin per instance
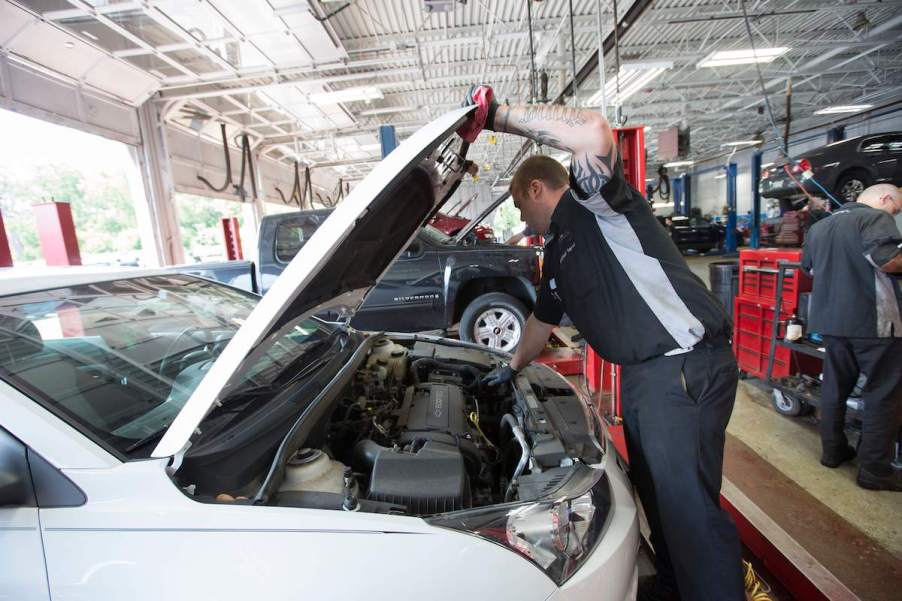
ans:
(845, 168)
(437, 281)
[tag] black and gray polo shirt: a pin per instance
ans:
(612, 268)
(851, 296)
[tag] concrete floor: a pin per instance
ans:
(792, 446)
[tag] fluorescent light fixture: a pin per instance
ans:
(647, 128)
(370, 147)
(766, 165)
(633, 77)
(388, 110)
(741, 143)
(88, 34)
(723, 58)
(721, 176)
(349, 95)
(847, 108)
(679, 164)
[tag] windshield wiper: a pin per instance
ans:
(146, 440)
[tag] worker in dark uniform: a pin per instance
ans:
(856, 305)
(612, 268)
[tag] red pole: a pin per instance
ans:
(56, 230)
(232, 238)
(6, 257)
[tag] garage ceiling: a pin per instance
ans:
(314, 80)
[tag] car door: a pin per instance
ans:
(23, 574)
(410, 297)
(884, 153)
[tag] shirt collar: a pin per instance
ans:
(558, 216)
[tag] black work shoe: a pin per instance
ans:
(892, 482)
(656, 589)
(837, 458)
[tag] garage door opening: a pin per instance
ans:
(200, 223)
(43, 162)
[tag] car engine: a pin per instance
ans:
(417, 433)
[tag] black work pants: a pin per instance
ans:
(880, 359)
(675, 412)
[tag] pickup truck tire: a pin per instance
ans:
(495, 320)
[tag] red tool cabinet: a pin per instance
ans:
(754, 308)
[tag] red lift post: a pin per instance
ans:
(231, 234)
(602, 376)
(6, 257)
(56, 230)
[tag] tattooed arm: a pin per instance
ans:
(584, 133)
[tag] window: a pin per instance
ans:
(292, 234)
(119, 359)
(891, 143)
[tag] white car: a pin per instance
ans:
(167, 437)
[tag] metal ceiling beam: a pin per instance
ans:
(628, 20)
(281, 84)
(880, 29)
(245, 74)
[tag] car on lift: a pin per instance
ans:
(169, 436)
(845, 168)
(453, 224)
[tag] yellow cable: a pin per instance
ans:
(756, 588)
(474, 419)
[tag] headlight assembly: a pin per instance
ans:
(556, 535)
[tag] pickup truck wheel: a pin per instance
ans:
(495, 320)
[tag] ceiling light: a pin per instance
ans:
(387, 110)
(723, 58)
(633, 77)
(647, 128)
(848, 108)
(88, 34)
(69, 44)
(349, 95)
(766, 165)
(721, 176)
(741, 143)
(679, 164)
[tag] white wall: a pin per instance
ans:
(709, 194)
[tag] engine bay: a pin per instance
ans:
(415, 432)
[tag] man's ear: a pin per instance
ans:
(536, 187)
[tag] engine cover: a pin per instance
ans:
(436, 409)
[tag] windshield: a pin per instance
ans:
(118, 360)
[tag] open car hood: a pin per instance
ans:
(345, 257)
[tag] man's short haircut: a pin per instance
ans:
(542, 168)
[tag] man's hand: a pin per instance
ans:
(483, 98)
(499, 376)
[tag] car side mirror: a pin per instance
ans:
(16, 489)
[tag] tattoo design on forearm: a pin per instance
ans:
(545, 112)
(545, 138)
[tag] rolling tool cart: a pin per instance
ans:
(793, 393)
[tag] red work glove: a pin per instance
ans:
(483, 117)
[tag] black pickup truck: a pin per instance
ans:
(437, 281)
